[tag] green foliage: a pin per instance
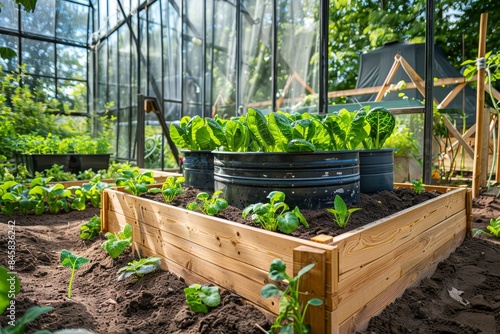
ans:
(57, 173)
(275, 215)
(493, 229)
(9, 288)
(74, 262)
(117, 243)
(139, 268)
(347, 129)
(56, 196)
(208, 205)
(91, 229)
(200, 297)
(404, 141)
(292, 311)
(340, 211)
(53, 144)
(196, 133)
(382, 123)
(135, 183)
(30, 315)
(418, 186)
(172, 187)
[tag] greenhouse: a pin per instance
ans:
(179, 166)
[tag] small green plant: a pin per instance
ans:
(292, 312)
(340, 211)
(31, 314)
(74, 262)
(9, 288)
(135, 184)
(275, 214)
(172, 187)
(91, 229)
(208, 205)
(57, 173)
(418, 186)
(493, 229)
(139, 268)
(117, 243)
(200, 297)
(55, 195)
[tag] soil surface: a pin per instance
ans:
(156, 302)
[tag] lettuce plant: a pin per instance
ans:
(275, 215)
(493, 229)
(139, 268)
(117, 243)
(208, 205)
(91, 229)
(200, 297)
(197, 133)
(172, 187)
(340, 211)
(382, 123)
(135, 184)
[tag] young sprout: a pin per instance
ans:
(340, 211)
(418, 186)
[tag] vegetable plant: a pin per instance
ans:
(56, 196)
(275, 215)
(200, 297)
(117, 243)
(493, 229)
(74, 262)
(139, 268)
(135, 184)
(382, 123)
(91, 229)
(346, 129)
(208, 205)
(292, 311)
(418, 186)
(172, 187)
(340, 211)
(197, 133)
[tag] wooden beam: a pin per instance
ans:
(458, 137)
(388, 79)
(451, 95)
(478, 179)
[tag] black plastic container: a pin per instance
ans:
(376, 170)
(198, 169)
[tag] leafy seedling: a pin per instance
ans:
(139, 268)
(292, 312)
(117, 243)
(340, 211)
(208, 205)
(275, 214)
(493, 229)
(91, 229)
(135, 184)
(74, 262)
(30, 315)
(172, 187)
(9, 288)
(200, 297)
(418, 186)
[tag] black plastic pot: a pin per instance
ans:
(198, 169)
(71, 162)
(309, 180)
(376, 170)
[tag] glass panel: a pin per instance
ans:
(103, 17)
(172, 58)
(124, 133)
(42, 21)
(298, 36)
(11, 42)
(155, 54)
(44, 88)
(113, 14)
(8, 17)
(73, 95)
(134, 67)
(255, 81)
(172, 111)
(124, 59)
(38, 56)
(72, 21)
(71, 62)
(113, 69)
(102, 76)
(224, 59)
(143, 49)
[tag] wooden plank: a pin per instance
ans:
(374, 278)
(427, 187)
(219, 270)
(359, 321)
(322, 239)
(458, 137)
(362, 246)
(312, 284)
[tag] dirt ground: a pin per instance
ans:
(156, 303)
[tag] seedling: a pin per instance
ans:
(139, 268)
(91, 229)
(135, 184)
(200, 297)
(493, 229)
(172, 187)
(208, 205)
(292, 312)
(340, 211)
(275, 214)
(74, 262)
(418, 186)
(117, 243)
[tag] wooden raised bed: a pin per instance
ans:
(357, 273)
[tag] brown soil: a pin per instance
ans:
(155, 303)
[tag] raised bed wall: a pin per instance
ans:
(357, 273)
